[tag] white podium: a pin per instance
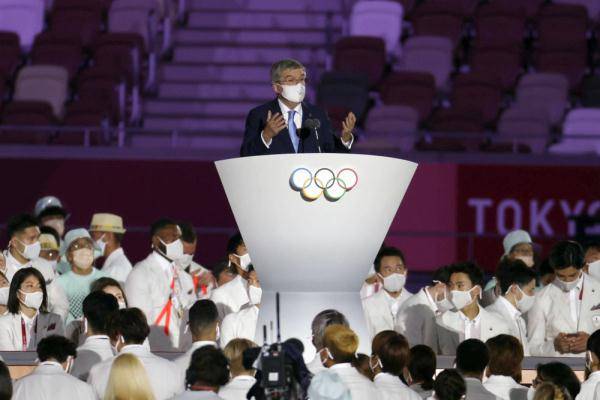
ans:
(313, 224)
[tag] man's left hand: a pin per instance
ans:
(348, 127)
(579, 342)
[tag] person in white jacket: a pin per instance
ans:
(98, 307)
(340, 347)
(590, 389)
(469, 320)
(27, 321)
(389, 361)
(567, 311)
(204, 327)
(204, 280)
(505, 368)
(129, 329)
(107, 231)
(242, 379)
(50, 380)
(319, 323)
(382, 308)
(160, 288)
(516, 282)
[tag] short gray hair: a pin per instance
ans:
(322, 320)
(280, 66)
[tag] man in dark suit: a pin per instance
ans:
(269, 127)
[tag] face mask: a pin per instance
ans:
(122, 305)
(217, 334)
(83, 258)
(530, 393)
(254, 294)
(173, 250)
(328, 356)
(184, 261)
(374, 366)
(4, 295)
(33, 300)
(393, 283)
(30, 251)
(566, 286)
(526, 301)
(294, 93)
(57, 224)
(69, 365)
(528, 260)
(101, 245)
(85, 326)
(594, 269)
(245, 261)
(461, 299)
(589, 361)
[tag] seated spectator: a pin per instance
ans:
(110, 286)
(421, 366)
(208, 372)
(51, 380)
(107, 231)
(98, 308)
(472, 358)
(242, 379)
(560, 375)
(449, 385)
(27, 312)
(504, 368)
(128, 380)
(128, 329)
(6, 386)
(319, 323)
(204, 326)
(590, 387)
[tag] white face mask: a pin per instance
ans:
(526, 301)
(58, 224)
(594, 269)
(218, 333)
(294, 93)
(588, 360)
(254, 294)
(30, 251)
(528, 260)
(101, 245)
(394, 282)
(173, 250)
(461, 299)
(33, 300)
(566, 286)
(245, 261)
(375, 365)
(530, 393)
(83, 258)
(122, 305)
(184, 261)
(69, 365)
(4, 295)
(444, 304)
(328, 356)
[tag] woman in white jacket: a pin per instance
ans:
(504, 368)
(27, 321)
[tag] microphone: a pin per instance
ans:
(313, 124)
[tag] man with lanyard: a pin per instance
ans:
(160, 288)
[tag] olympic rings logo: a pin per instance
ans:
(324, 182)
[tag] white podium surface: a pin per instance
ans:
(315, 252)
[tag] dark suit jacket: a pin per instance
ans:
(256, 121)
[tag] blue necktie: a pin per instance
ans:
(292, 130)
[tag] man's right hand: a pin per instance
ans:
(562, 344)
(275, 124)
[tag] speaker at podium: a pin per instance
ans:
(313, 224)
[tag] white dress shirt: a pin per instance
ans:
(472, 327)
(183, 361)
(117, 266)
(360, 386)
(49, 381)
(573, 297)
(237, 388)
(94, 350)
(589, 388)
(505, 387)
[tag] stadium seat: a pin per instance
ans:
(571, 63)
(431, 54)
(506, 8)
(52, 49)
(499, 31)
(545, 91)
(528, 122)
(453, 121)
(414, 89)
(461, 8)
(24, 17)
(579, 122)
(27, 113)
(379, 18)
(82, 114)
(77, 19)
(504, 65)
(340, 92)
(43, 83)
(101, 91)
(135, 16)
(477, 92)
(592, 6)
(439, 18)
(360, 54)
(562, 27)
(394, 125)
(10, 53)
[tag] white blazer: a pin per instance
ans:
(49, 381)
(360, 386)
(589, 388)
(516, 323)
(237, 388)
(505, 388)
(316, 365)
(164, 376)
(390, 387)
(117, 266)
(183, 361)
(241, 324)
(148, 288)
(378, 313)
(230, 297)
(93, 351)
(416, 320)
(450, 329)
(551, 315)
(11, 337)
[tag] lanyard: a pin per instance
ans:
(24, 333)
(166, 311)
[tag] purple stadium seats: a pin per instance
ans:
(579, 122)
(394, 125)
(531, 123)
(340, 92)
(479, 93)
(47, 83)
(571, 63)
(562, 27)
(82, 113)
(504, 65)
(24, 17)
(52, 49)
(499, 31)
(414, 89)
(439, 18)
(78, 19)
(98, 90)
(431, 54)
(378, 18)
(543, 91)
(453, 120)
(27, 113)
(360, 54)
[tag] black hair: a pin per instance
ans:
(208, 367)
(188, 233)
(514, 272)
(48, 230)
(387, 252)
(19, 223)
(472, 356)
(593, 343)
(13, 304)
(592, 244)
(98, 307)
(234, 242)
(449, 385)
(52, 211)
(99, 284)
(131, 323)
(566, 254)
(442, 274)
(221, 266)
(6, 389)
(545, 268)
(202, 315)
(470, 268)
(561, 375)
(56, 347)
(422, 365)
(161, 224)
